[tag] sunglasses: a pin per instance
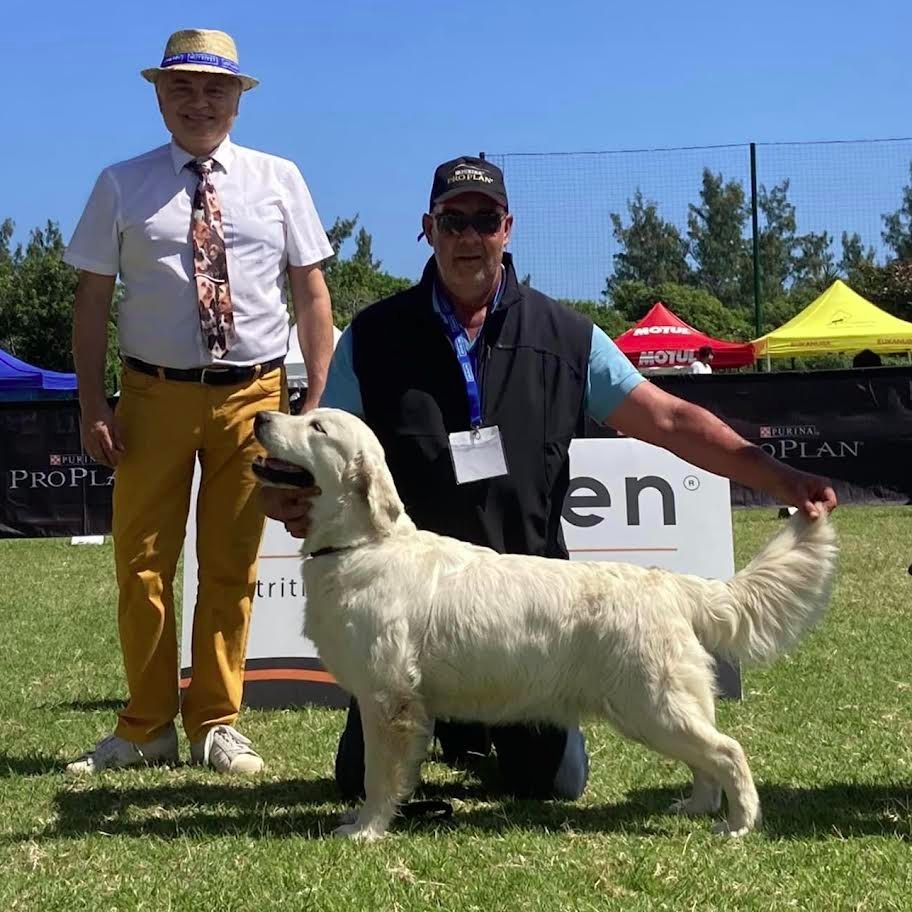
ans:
(486, 223)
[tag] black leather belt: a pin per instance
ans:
(218, 375)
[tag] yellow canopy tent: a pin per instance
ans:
(840, 320)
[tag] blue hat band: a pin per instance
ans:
(222, 63)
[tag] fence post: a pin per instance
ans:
(755, 231)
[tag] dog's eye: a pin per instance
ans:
(318, 427)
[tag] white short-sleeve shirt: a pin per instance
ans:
(136, 224)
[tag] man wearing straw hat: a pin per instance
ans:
(203, 234)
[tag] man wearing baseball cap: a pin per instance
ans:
(203, 234)
(475, 385)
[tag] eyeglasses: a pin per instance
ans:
(485, 223)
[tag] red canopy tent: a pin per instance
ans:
(661, 339)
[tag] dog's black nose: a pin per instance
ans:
(260, 419)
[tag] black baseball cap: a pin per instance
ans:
(468, 175)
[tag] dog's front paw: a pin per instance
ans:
(349, 816)
(357, 832)
(731, 830)
(691, 807)
(740, 824)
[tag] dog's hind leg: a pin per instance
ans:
(676, 717)
(691, 738)
(395, 743)
(706, 795)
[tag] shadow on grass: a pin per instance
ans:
(840, 809)
(35, 765)
(266, 809)
(309, 808)
(845, 809)
(111, 704)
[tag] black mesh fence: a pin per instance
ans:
(564, 237)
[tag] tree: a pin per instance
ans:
(889, 286)
(340, 232)
(651, 249)
(854, 254)
(813, 264)
(606, 318)
(897, 233)
(363, 254)
(37, 303)
(704, 312)
(37, 290)
(779, 310)
(358, 281)
(776, 239)
(6, 235)
(716, 231)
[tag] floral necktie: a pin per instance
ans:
(210, 264)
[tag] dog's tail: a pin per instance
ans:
(765, 608)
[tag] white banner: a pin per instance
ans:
(628, 501)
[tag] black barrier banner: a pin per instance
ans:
(854, 426)
(49, 486)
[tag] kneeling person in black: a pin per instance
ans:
(469, 348)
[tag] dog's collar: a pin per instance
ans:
(323, 552)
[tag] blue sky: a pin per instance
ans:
(367, 97)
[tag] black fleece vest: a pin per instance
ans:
(532, 370)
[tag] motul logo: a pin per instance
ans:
(662, 331)
(665, 358)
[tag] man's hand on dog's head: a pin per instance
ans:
(290, 506)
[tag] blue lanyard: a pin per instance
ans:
(457, 336)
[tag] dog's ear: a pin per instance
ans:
(371, 480)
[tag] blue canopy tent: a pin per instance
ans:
(19, 380)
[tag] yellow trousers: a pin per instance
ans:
(165, 426)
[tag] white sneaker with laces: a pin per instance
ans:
(114, 752)
(225, 749)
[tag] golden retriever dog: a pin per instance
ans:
(419, 626)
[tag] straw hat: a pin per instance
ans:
(201, 51)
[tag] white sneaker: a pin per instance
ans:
(225, 749)
(114, 752)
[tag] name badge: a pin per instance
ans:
(477, 454)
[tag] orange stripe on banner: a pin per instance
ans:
(282, 674)
(289, 674)
(606, 550)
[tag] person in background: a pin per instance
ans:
(702, 364)
(203, 234)
(867, 358)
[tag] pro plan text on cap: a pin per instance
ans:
(201, 51)
(468, 175)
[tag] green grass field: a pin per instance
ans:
(828, 732)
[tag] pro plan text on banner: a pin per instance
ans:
(49, 486)
(852, 426)
(627, 501)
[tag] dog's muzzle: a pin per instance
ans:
(281, 473)
(274, 471)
